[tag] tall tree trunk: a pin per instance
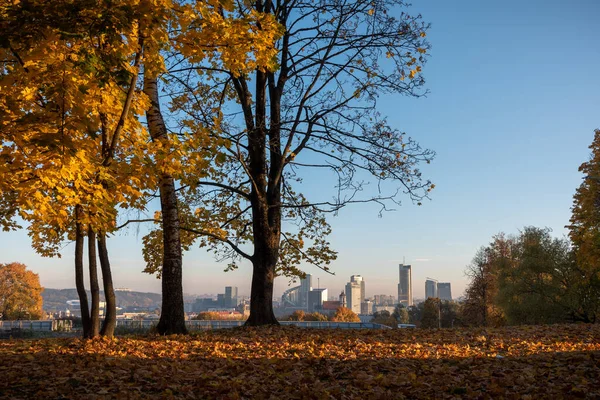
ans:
(79, 280)
(266, 216)
(94, 288)
(110, 314)
(172, 316)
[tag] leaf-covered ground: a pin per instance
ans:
(555, 362)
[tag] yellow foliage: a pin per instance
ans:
(20, 293)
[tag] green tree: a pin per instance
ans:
(20, 293)
(529, 278)
(384, 318)
(584, 231)
(480, 308)
(431, 313)
(414, 314)
(400, 314)
(450, 313)
(531, 286)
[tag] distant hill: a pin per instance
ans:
(56, 299)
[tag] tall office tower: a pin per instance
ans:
(431, 288)
(353, 296)
(231, 296)
(359, 279)
(405, 296)
(444, 291)
(305, 288)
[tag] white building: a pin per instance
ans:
(353, 290)
(359, 279)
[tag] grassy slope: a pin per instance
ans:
(561, 361)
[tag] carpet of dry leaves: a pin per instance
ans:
(561, 361)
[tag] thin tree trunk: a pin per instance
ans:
(172, 316)
(110, 314)
(94, 288)
(79, 280)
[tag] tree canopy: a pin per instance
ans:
(20, 293)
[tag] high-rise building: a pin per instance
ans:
(366, 307)
(431, 288)
(231, 296)
(305, 288)
(359, 279)
(405, 296)
(316, 297)
(444, 291)
(353, 290)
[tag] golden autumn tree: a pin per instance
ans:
(75, 150)
(70, 100)
(344, 314)
(315, 115)
(20, 292)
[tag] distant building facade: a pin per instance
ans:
(316, 298)
(353, 290)
(359, 279)
(389, 309)
(73, 308)
(296, 298)
(204, 304)
(431, 288)
(231, 297)
(405, 296)
(366, 307)
(305, 288)
(330, 307)
(384, 300)
(444, 291)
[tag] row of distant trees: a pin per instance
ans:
(534, 278)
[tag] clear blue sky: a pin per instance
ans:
(515, 97)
